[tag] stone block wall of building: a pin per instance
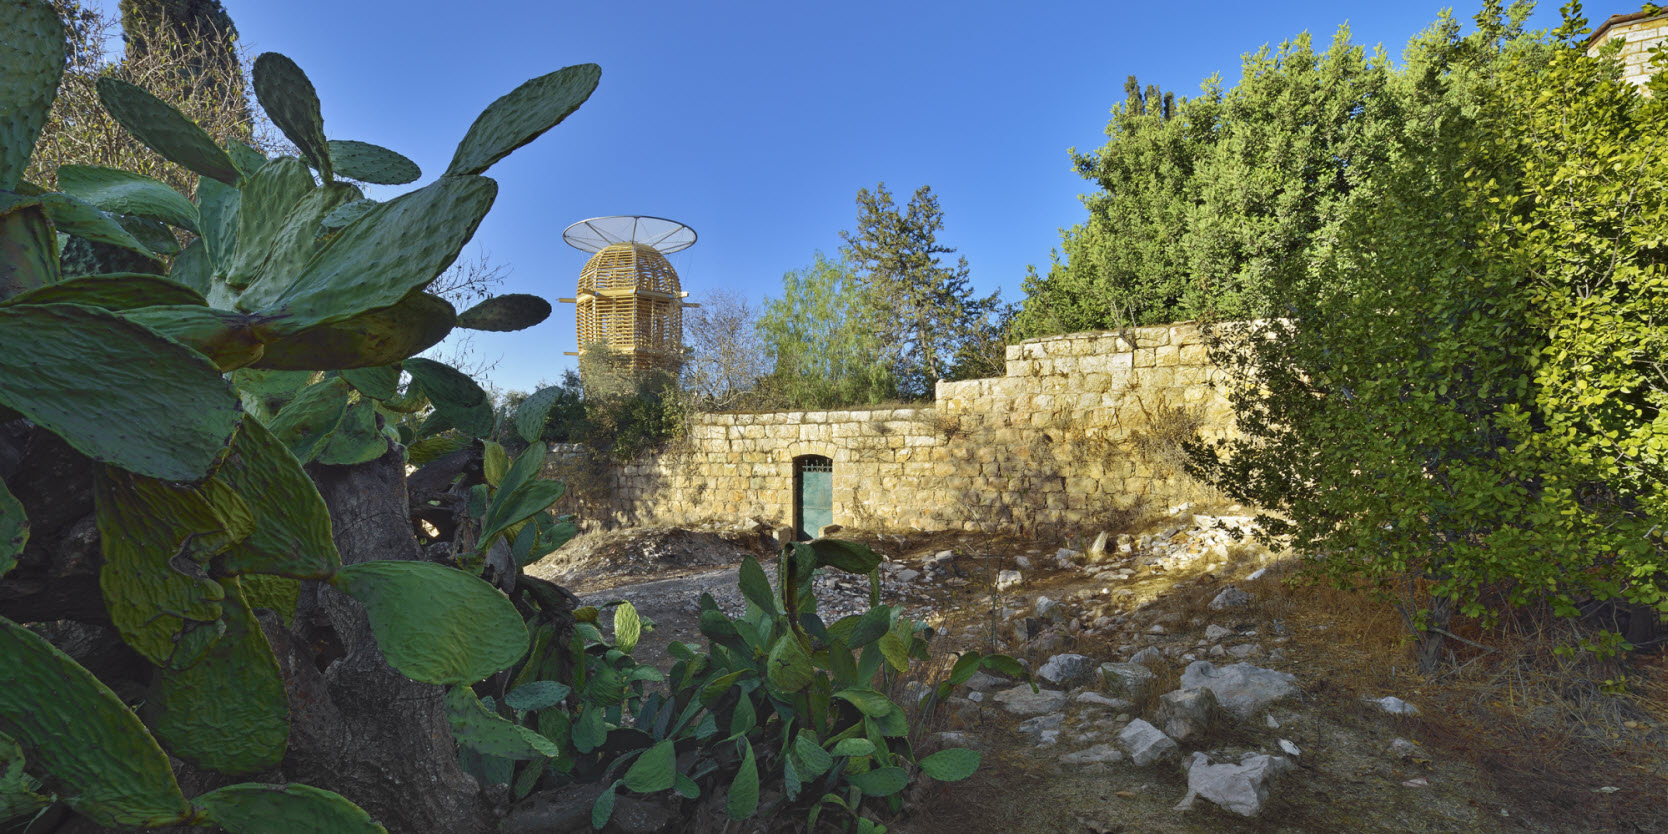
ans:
(1082, 427)
(1639, 32)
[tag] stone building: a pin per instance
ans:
(1640, 32)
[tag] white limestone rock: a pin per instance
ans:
(1241, 689)
(1145, 743)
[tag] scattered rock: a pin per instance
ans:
(1256, 574)
(1186, 712)
(1215, 633)
(1147, 655)
(908, 575)
(1402, 748)
(1091, 698)
(1125, 680)
(1009, 579)
(1230, 597)
(1067, 558)
(1156, 629)
(1246, 650)
(1042, 724)
(1241, 788)
(1394, 705)
(982, 682)
(1068, 670)
(1290, 748)
(1241, 689)
(1048, 609)
(954, 738)
(1097, 551)
(1145, 743)
(1095, 754)
(827, 530)
(1020, 700)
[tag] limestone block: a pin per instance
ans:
(1194, 354)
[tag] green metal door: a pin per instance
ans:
(813, 494)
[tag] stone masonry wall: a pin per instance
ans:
(1081, 427)
(1639, 33)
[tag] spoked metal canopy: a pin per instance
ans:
(599, 233)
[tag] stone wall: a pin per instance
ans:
(1640, 32)
(1081, 428)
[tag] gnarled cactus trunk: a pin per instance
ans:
(356, 726)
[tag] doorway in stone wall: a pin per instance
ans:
(813, 494)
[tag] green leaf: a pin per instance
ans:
(522, 493)
(104, 762)
(366, 162)
(218, 207)
(118, 291)
(396, 247)
(952, 765)
(356, 439)
(966, 665)
(1005, 665)
(856, 747)
(436, 624)
(654, 770)
(483, 731)
(871, 625)
(756, 586)
(685, 786)
(883, 781)
(789, 666)
(456, 397)
(158, 126)
(14, 529)
(72, 371)
(896, 652)
(867, 701)
(381, 382)
(156, 538)
(743, 718)
(17, 797)
(537, 695)
(514, 311)
(306, 422)
(294, 242)
(33, 53)
(814, 760)
(521, 116)
(743, 799)
(628, 628)
(290, 101)
(124, 192)
(850, 557)
(589, 732)
(371, 339)
(193, 268)
(603, 809)
(228, 712)
(283, 809)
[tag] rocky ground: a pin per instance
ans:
(1183, 685)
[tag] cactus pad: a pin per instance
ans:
(306, 422)
(229, 340)
(281, 809)
(247, 159)
(436, 624)
(478, 729)
(456, 398)
(228, 712)
(124, 192)
(293, 105)
(357, 439)
(521, 116)
(343, 215)
(151, 533)
(118, 291)
(397, 247)
(378, 337)
(366, 162)
(381, 382)
(33, 54)
(106, 765)
(165, 130)
(295, 244)
(292, 525)
(193, 268)
(28, 249)
(83, 373)
(534, 412)
(217, 208)
(83, 220)
(266, 202)
(515, 311)
(14, 529)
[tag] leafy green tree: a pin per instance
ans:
(1461, 401)
(825, 333)
(930, 306)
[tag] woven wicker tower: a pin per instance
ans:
(629, 298)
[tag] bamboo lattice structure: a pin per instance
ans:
(629, 299)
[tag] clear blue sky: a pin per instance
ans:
(756, 123)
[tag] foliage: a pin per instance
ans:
(197, 498)
(1463, 394)
(825, 335)
(614, 410)
(929, 307)
(727, 355)
(777, 695)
